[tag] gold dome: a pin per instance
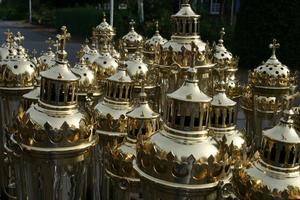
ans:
(87, 81)
(153, 45)
(104, 65)
(104, 30)
(9, 44)
(272, 73)
(132, 41)
(17, 71)
(47, 59)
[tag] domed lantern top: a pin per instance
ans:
(16, 70)
(47, 59)
(222, 56)
(104, 29)
(9, 44)
(132, 40)
(152, 45)
(272, 73)
(87, 82)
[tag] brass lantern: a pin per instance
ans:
(273, 172)
(174, 55)
(223, 58)
(53, 139)
(223, 116)
(17, 78)
(270, 82)
(181, 161)
(151, 54)
(124, 180)
(111, 114)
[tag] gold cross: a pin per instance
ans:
(19, 38)
(156, 26)
(63, 37)
(274, 46)
(9, 38)
(34, 52)
(104, 17)
(132, 23)
(50, 42)
(222, 33)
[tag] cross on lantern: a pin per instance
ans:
(63, 37)
(9, 38)
(132, 23)
(274, 46)
(50, 42)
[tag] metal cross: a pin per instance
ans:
(156, 26)
(34, 52)
(132, 23)
(19, 38)
(50, 42)
(9, 38)
(222, 33)
(63, 37)
(274, 46)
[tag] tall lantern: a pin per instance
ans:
(17, 78)
(53, 140)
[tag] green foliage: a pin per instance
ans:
(259, 22)
(78, 20)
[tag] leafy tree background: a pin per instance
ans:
(258, 22)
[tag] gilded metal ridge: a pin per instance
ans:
(122, 177)
(17, 88)
(178, 185)
(170, 132)
(120, 103)
(289, 172)
(55, 107)
(111, 134)
(79, 147)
